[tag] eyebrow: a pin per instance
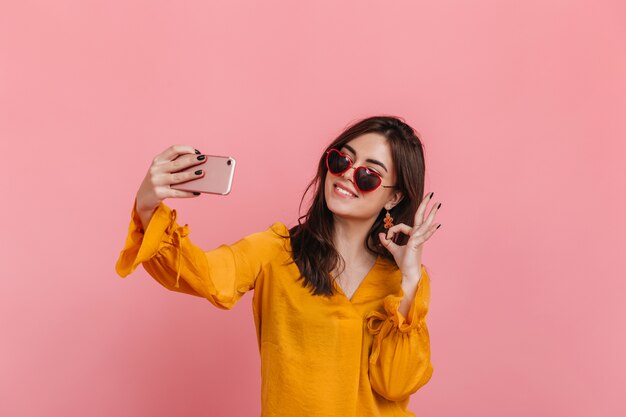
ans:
(373, 161)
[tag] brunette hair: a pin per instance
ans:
(312, 238)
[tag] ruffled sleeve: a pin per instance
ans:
(221, 275)
(400, 359)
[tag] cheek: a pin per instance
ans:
(327, 184)
(377, 201)
(374, 204)
(328, 187)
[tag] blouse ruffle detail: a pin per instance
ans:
(399, 362)
(382, 325)
(176, 234)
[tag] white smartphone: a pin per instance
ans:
(218, 176)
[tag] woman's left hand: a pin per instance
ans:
(409, 257)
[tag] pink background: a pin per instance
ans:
(521, 106)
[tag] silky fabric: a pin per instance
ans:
(320, 356)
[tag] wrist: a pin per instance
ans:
(143, 209)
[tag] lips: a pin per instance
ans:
(345, 188)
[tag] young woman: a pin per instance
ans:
(340, 300)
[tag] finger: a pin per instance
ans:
(174, 152)
(419, 215)
(430, 232)
(420, 237)
(397, 228)
(431, 216)
(173, 193)
(388, 243)
(183, 176)
(425, 225)
(167, 179)
(182, 163)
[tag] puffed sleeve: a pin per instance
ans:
(221, 275)
(400, 359)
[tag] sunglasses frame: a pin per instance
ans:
(350, 165)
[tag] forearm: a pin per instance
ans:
(409, 287)
(145, 216)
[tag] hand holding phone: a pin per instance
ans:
(162, 173)
(166, 179)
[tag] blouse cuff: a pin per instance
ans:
(141, 245)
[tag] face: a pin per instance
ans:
(372, 151)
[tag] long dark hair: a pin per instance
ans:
(312, 239)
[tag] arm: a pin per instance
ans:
(144, 216)
(400, 358)
(221, 275)
(409, 288)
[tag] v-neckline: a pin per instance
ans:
(360, 286)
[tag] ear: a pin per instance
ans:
(396, 197)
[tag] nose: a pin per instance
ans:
(349, 174)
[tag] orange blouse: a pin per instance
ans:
(320, 356)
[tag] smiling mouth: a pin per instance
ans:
(343, 191)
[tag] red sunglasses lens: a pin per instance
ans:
(364, 179)
(337, 163)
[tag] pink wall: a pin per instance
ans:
(521, 106)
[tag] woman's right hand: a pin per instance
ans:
(162, 173)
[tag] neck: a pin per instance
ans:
(349, 239)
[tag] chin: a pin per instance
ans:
(334, 207)
(344, 209)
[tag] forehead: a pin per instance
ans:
(372, 145)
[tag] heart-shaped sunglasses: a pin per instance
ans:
(365, 179)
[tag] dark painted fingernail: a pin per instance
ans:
(197, 151)
(196, 193)
(201, 158)
(431, 194)
(438, 206)
(438, 227)
(198, 172)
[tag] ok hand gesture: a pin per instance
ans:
(409, 257)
